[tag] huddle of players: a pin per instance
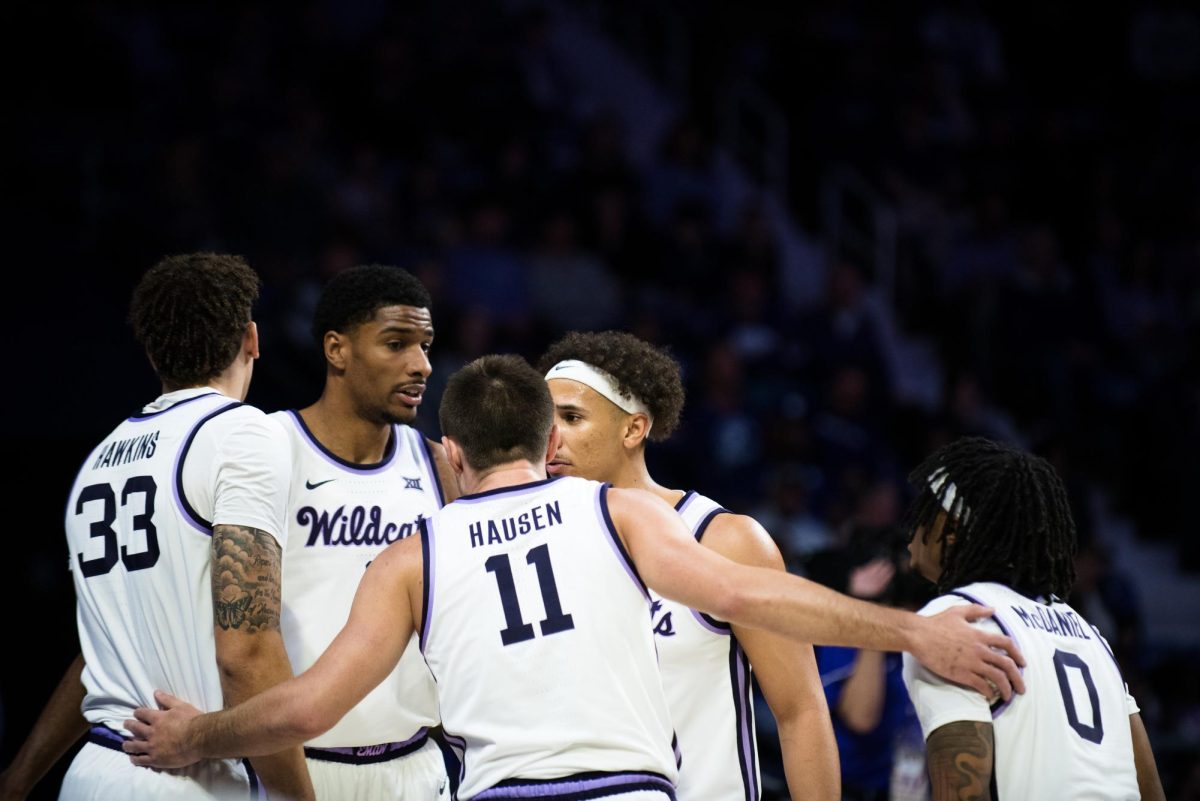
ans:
(553, 692)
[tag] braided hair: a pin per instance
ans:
(1012, 523)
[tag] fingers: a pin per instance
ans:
(146, 715)
(142, 760)
(1005, 644)
(1012, 673)
(974, 612)
(139, 730)
(166, 700)
(997, 683)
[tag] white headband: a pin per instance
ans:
(600, 381)
(955, 506)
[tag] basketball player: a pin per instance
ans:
(991, 525)
(554, 690)
(175, 527)
(362, 478)
(612, 392)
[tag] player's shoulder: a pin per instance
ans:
(740, 538)
(242, 426)
(980, 592)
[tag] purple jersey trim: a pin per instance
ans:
(257, 791)
(685, 500)
(427, 568)
(708, 621)
(144, 416)
(516, 489)
(615, 540)
(999, 706)
(459, 746)
(739, 668)
(185, 509)
(389, 451)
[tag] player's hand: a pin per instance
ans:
(160, 738)
(985, 661)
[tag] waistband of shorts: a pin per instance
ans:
(370, 754)
(580, 786)
(105, 737)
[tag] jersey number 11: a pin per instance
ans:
(516, 629)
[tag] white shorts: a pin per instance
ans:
(100, 773)
(416, 776)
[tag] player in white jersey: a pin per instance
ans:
(613, 392)
(361, 479)
(550, 684)
(991, 525)
(174, 526)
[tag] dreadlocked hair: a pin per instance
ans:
(1011, 520)
(641, 370)
(190, 312)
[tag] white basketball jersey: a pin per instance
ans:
(139, 533)
(706, 676)
(342, 515)
(1068, 735)
(534, 628)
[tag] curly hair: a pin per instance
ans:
(353, 296)
(1019, 530)
(641, 371)
(499, 410)
(190, 312)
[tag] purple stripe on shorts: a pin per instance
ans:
(370, 754)
(582, 784)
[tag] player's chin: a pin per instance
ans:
(402, 414)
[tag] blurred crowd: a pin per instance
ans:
(1046, 184)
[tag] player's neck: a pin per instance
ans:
(510, 474)
(634, 475)
(344, 433)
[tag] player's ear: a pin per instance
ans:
(454, 455)
(553, 443)
(250, 339)
(637, 428)
(335, 349)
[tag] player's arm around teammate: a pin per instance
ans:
(786, 670)
(681, 569)
(388, 603)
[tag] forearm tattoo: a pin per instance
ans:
(960, 761)
(245, 579)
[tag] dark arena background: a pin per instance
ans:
(864, 230)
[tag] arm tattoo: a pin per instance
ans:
(245, 579)
(960, 761)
